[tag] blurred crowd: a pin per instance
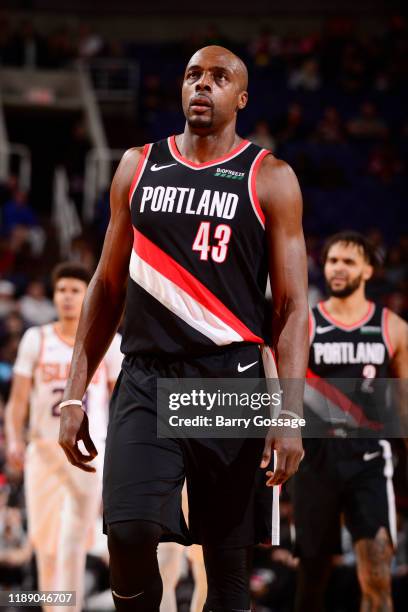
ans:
(332, 104)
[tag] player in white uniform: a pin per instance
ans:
(62, 501)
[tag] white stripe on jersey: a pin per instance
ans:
(180, 302)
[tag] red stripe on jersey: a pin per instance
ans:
(312, 326)
(333, 394)
(211, 162)
(254, 171)
(166, 265)
(386, 332)
(138, 171)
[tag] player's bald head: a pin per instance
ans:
(220, 56)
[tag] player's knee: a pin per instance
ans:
(127, 538)
(375, 578)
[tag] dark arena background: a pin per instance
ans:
(82, 81)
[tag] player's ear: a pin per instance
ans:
(242, 100)
(368, 272)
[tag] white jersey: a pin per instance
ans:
(45, 357)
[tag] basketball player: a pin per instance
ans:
(62, 502)
(351, 337)
(195, 220)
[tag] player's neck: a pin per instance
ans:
(348, 310)
(203, 148)
(67, 329)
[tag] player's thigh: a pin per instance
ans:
(317, 512)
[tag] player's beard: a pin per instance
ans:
(348, 289)
(200, 122)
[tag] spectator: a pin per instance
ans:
(264, 47)
(35, 307)
(12, 324)
(74, 159)
(90, 43)
(15, 549)
(307, 77)
(384, 162)
(7, 302)
(60, 50)
(262, 136)
(367, 125)
(292, 127)
(26, 47)
(330, 128)
(17, 211)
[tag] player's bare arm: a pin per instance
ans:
(101, 313)
(16, 415)
(398, 333)
(281, 201)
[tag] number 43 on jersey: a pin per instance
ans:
(217, 251)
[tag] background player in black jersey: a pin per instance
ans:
(214, 90)
(351, 337)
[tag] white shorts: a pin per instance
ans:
(57, 491)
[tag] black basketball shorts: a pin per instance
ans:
(349, 478)
(229, 503)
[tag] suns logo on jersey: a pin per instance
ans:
(50, 372)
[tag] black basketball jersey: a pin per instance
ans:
(359, 355)
(198, 269)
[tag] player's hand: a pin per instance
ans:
(73, 428)
(15, 454)
(289, 455)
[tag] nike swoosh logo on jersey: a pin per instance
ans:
(369, 456)
(155, 167)
(243, 368)
(324, 329)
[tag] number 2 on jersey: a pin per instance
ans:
(217, 252)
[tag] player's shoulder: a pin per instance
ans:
(126, 170)
(274, 168)
(133, 154)
(277, 185)
(33, 333)
(395, 323)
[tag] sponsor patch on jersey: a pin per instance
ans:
(370, 329)
(229, 174)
